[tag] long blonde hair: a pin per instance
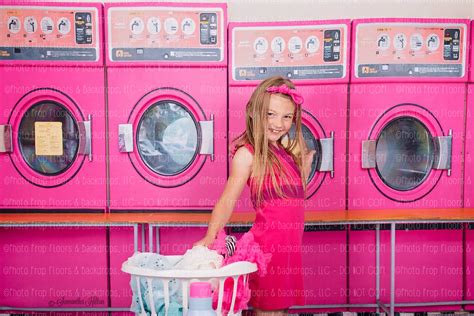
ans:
(255, 134)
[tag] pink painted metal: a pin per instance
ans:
(81, 184)
(42, 270)
(324, 266)
(172, 241)
(121, 248)
(52, 267)
(173, 6)
(421, 21)
(428, 266)
(428, 259)
(97, 33)
(177, 240)
(197, 87)
(289, 25)
(469, 177)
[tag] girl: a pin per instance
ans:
(263, 158)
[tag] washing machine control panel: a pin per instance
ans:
(208, 28)
(49, 33)
(303, 52)
(162, 34)
(427, 50)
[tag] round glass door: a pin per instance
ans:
(404, 153)
(167, 138)
(48, 138)
(313, 132)
(313, 144)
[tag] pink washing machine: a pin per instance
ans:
(468, 178)
(52, 147)
(52, 153)
(166, 72)
(405, 151)
(469, 145)
(167, 95)
(315, 56)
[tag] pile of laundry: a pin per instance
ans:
(225, 250)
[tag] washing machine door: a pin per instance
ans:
(317, 139)
(47, 138)
(406, 152)
(167, 137)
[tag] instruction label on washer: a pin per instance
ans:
(410, 50)
(48, 138)
(296, 52)
(49, 33)
(166, 34)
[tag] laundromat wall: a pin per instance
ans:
(304, 10)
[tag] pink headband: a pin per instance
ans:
(284, 89)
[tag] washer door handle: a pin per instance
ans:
(443, 152)
(327, 154)
(125, 138)
(6, 139)
(207, 134)
(85, 137)
(368, 154)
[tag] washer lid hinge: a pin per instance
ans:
(368, 154)
(327, 154)
(6, 139)
(85, 137)
(125, 138)
(207, 141)
(443, 152)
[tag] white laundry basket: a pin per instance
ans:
(233, 270)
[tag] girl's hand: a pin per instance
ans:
(206, 241)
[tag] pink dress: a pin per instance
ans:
(278, 228)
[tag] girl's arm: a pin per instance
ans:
(240, 173)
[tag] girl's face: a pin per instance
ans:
(281, 112)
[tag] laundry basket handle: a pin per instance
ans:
(233, 269)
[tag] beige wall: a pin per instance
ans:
(278, 10)
(288, 10)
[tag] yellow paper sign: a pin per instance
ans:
(48, 138)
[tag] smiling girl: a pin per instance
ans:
(264, 159)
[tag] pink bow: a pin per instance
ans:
(284, 89)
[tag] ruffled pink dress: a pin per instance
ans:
(278, 228)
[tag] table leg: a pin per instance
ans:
(150, 237)
(377, 266)
(135, 237)
(392, 269)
